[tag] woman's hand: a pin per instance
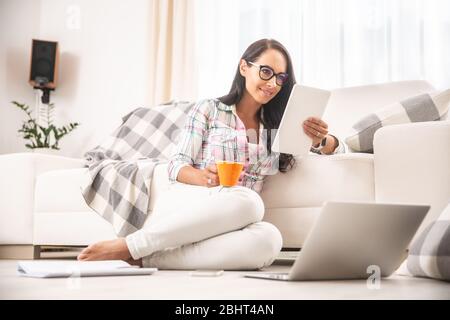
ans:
(209, 176)
(200, 177)
(316, 129)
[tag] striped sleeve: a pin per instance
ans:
(190, 139)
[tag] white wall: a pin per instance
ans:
(103, 70)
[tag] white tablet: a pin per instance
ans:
(304, 102)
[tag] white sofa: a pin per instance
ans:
(41, 203)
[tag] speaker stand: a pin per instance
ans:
(45, 97)
(40, 108)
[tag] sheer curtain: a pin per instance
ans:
(172, 73)
(333, 43)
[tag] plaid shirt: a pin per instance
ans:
(213, 131)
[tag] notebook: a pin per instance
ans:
(65, 269)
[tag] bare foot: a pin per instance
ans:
(106, 250)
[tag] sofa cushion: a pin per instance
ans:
(430, 253)
(318, 178)
(424, 107)
(61, 215)
(59, 190)
(293, 199)
(17, 189)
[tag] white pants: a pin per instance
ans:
(194, 227)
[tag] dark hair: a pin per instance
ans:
(274, 109)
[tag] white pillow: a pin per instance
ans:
(424, 107)
(429, 255)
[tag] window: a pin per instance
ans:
(332, 43)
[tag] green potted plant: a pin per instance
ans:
(42, 136)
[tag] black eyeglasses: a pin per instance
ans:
(267, 73)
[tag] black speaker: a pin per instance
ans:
(44, 64)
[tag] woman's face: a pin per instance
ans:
(262, 91)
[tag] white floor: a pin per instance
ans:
(179, 285)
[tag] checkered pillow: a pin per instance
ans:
(425, 107)
(430, 253)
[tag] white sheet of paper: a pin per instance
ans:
(304, 102)
(61, 269)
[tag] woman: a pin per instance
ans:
(194, 227)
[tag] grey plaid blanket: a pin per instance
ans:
(117, 184)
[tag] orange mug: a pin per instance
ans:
(229, 172)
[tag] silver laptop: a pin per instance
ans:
(349, 239)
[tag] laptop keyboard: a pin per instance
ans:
(288, 255)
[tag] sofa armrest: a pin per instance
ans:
(412, 165)
(18, 174)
